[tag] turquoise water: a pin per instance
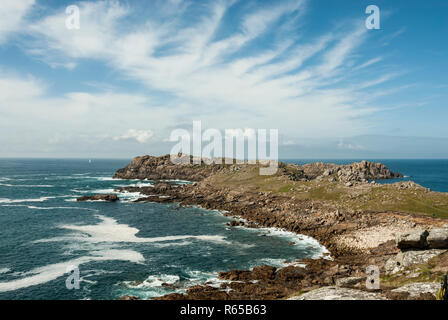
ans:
(120, 248)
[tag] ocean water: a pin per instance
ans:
(119, 248)
(430, 173)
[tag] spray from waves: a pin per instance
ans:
(54, 271)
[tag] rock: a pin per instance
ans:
(290, 273)
(263, 273)
(336, 293)
(101, 197)
(438, 238)
(412, 240)
(418, 288)
(235, 223)
(235, 275)
(408, 258)
(349, 281)
(129, 298)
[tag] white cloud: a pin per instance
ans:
(294, 86)
(12, 15)
(141, 136)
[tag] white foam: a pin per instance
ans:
(153, 281)
(41, 199)
(108, 230)
(4, 270)
(48, 208)
(54, 271)
(27, 186)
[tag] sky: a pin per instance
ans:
(137, 70)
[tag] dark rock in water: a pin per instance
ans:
(129, 298)
(162, 187)
(235, 223)
(101, 197)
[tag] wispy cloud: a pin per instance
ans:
(222, 73)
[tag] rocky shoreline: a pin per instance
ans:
(337, 227)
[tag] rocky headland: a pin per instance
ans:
(360, 222)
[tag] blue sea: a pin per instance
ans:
(48, 240)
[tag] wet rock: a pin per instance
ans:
(127, 298)
(235, 223)
(412, 240)
(337, 293)
(101, 197)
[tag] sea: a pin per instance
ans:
(53, 247)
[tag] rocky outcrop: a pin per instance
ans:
(101, 197)
(356, 172)
(412, 240)
(406, 259)
(423, 239)
(161, 168)
(337, 293)
(418, 288)
(438, 238)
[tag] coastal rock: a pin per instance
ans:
(337, 293)
(419, 288)
(408, 258)
(349, 281)
(128, 298)
(235, 223)
(101, 197)
(412, 240)
(438, 238)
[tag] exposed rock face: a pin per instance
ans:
(408, 258)
(101, 197)
(358, 171)
(412, 240)
(161, 168)
(418, 288)
(438, 238)
(434, 239)
(336, 293)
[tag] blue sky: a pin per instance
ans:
(135, 70)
